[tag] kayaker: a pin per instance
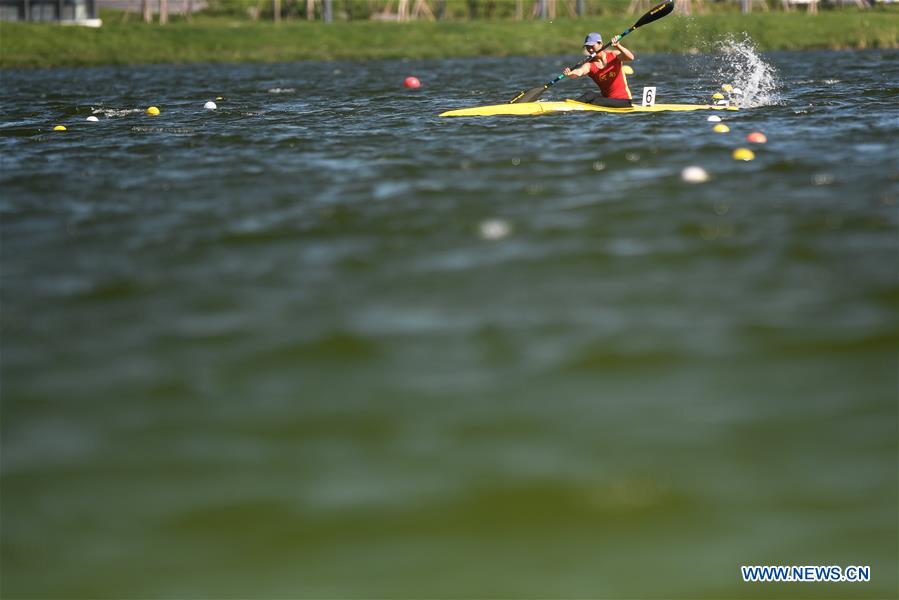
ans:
(605, 70)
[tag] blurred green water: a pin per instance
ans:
(270, 351)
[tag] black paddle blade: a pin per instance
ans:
(529, 95)
(655, 13)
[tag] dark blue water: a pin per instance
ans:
(322, 343)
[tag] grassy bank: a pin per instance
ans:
(228, 40)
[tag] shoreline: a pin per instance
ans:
(222, 41)
(562, 56)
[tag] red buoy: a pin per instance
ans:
(412, 83)
(757, 137)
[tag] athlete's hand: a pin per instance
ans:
(615, 40)
(569, 73)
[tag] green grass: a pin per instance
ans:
(223, 40)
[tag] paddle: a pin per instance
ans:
(654, 14)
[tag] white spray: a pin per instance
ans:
(743, 67)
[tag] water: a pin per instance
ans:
(322, 343)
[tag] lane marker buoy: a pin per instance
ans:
(494, 229)
(210, 105)
(153, 111)
(756, 137)
(694, 174)
(721, 128)
(412, 83)
(744, 154)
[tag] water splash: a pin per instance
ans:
(744, 68)
(115, 112)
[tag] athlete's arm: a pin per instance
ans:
(623, 53)
(579, 72)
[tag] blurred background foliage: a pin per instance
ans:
(388, 10)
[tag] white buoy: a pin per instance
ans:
(694, 175)
(92, 119)
(210, 105)
(714, 119)
(494, 229)
(736, 92)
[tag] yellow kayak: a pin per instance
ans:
(538, 108)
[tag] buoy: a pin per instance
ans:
(219, 98)
(714, 119)
(412, 83)
(717, 96)
(627, 70)
(152, 111)
(210, 105)
(737, 92)
(92, 119)
(494, 229)
(743, 154)
(727, 87)
(694, 175)
(720, 128)
(59, 128)
(756, 137)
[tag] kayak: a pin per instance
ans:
(539, 108)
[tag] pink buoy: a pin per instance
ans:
(412, 83)
(757, 137)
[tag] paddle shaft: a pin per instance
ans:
(561, 76)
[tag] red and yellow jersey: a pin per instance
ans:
(611, 80)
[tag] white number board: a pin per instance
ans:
(649, 96)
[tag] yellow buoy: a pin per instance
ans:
(721, 128)
(59, 128)
(717, 96)
(152, 111)
(219, 98)
(743, 154)
(627, 70)
(727, 87)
